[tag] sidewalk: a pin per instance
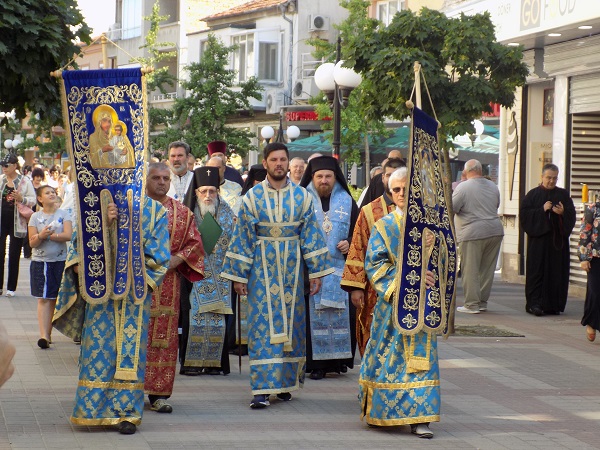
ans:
(540, 391)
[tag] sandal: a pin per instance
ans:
(591, 335)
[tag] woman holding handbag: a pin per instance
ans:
(17, 197)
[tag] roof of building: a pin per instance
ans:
(251, 6)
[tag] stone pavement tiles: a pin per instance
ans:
(540, 391)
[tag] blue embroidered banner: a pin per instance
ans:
(428, 237)
(105, 115)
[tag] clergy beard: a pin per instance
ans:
(324, 190)
(204, 208)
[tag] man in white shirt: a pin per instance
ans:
(180, 176)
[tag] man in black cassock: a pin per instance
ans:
(547, 215)
(331, 316)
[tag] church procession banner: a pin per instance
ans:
(105, 115)
(428, 237)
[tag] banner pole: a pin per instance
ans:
(417, 68)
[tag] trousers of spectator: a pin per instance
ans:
(26, 246)
(7, 230)
(478, 259)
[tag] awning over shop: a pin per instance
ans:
(484, 148)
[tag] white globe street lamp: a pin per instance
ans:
(337, 82)
(293, 132)
(267, 133)
(345, 77)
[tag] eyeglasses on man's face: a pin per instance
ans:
(396, 190)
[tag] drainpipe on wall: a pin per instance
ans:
(283, 7)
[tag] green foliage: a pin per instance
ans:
(42, 131)
(156, 53)
(36, 37)
(465, 68)
(201, 116)
(355, 192)
(356, 124)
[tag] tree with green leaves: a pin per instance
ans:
(201, 116)
(157, 54)
(465, 68)
(37, 37)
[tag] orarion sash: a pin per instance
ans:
(105, 115)
(417, 307)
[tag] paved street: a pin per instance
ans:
(540, 391)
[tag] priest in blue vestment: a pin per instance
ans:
(276, 236)
(205, 348)
(331, 317)
(113, 333)
(399, 377)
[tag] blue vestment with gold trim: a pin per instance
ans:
(329, 308)
(210, 299)
(113, 333)
(276, 235)
(399, 377)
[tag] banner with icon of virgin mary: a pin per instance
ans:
(105, 115)
(428, 237)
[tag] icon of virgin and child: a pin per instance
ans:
(110, 147)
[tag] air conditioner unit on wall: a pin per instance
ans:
(318, 23)
(273, 101)
(304, 89)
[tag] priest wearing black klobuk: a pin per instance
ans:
(331, 322)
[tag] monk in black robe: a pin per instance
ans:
(547, 215)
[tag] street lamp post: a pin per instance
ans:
(337, 82)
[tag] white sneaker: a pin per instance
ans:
(10, 293)
(463, 309)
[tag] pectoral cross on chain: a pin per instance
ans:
(341, 212)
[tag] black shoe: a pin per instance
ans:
(191, 371)
(43, 343)
(259, 401)
(212, 371)
(162, 406)
(535, 310)
(284, 396)
(126, 428)
(344, 368)
(317, 375)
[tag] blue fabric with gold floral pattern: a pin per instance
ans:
(275, 236)
(105, 112)
(114, 334)
(399, 380)
(427, 237)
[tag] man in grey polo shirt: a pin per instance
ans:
(479, 234)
